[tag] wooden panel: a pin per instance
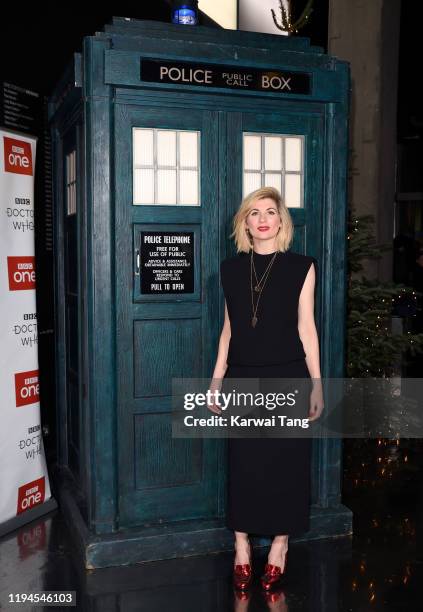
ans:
(164, 349)
(163, 461)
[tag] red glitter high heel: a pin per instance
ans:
(242, 575)
(272, 574)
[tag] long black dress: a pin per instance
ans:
(268, 478)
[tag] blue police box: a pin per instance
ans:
(159, 130)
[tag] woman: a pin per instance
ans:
(269, 332)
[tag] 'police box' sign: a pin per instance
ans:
(217, 75)
(167, 262)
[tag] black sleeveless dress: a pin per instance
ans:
(269, 478)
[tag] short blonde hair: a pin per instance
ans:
(283, 238)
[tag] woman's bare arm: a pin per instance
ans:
(306, 324)
(222, 354)
(308, 334)
(225, 336)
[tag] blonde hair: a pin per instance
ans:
(283, 238)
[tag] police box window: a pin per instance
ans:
(166, 166)
(275, 160)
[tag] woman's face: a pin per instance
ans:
(263, 219)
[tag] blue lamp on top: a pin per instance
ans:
(185, 12)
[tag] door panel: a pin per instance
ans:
(70, 263)
(308, 219)
(165, 335)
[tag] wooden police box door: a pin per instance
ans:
(287, 148)
(182, 171)
(167, 185)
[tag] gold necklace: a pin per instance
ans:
(257, 286)
(260, 289)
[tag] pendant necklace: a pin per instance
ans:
(258, 288)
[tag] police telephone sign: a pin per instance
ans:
(167, 262)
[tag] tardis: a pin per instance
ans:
(158, 131)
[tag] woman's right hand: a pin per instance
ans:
(214, 408)
(211, 404)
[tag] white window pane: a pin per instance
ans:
(293, 190)
(273, 153)
(70, 168)
(293, 154)
(166, 187)
(188, 187)
(273, 180)
(252, 152)
(73, 197)
(143, 147)
(252, 181)
(166, 148)
(188, 149)
(69, 193)
(143, 186)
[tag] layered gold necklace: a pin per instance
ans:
(259, 285)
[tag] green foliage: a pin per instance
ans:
(373, 348)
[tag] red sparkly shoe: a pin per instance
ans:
(272, 574)
(242, 575)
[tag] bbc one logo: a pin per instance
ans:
(27, 388)
(21, 272)
(31, 494)
(17, 156)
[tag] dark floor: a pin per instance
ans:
(379, 567)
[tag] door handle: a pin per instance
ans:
(137, 262)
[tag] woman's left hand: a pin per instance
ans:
(316, 402)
